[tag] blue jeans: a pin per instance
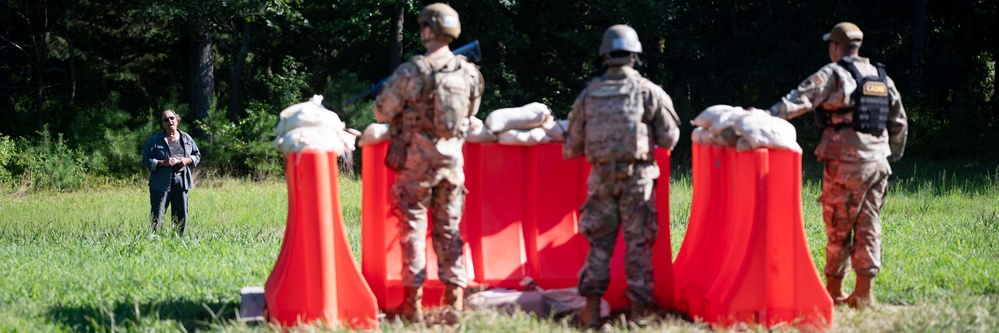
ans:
(176, 199)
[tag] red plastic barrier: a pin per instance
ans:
(315, 278)
(556, 249)
(701, 160)
(745, 257)
(794, 288)
(520, 220)
(495, 222)
(381, 259)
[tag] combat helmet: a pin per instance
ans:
(620, 38)
(442, 20)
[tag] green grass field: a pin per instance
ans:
(85, 261)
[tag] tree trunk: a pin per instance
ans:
(6, 79)
(920, 30)
(203, 82)
(395, 48)
(237, 74)
(71, 94)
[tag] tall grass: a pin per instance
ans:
(85, 260)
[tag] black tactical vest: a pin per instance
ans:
(870, 102)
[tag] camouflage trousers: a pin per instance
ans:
(620, 196)
(412, 197)
(852, 195)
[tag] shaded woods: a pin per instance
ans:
(93, 74)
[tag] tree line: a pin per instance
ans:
(71, 67)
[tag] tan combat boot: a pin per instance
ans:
(454, 299)
(590, 318)
(863, 295)
(639, 311)
(835, 288)
(412, 307)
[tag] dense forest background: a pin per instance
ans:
(82, 81)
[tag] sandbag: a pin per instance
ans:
(556, 129)
(374, 134)
(478, 133)
(718, 117)
(310, 138)
(349, 138)
(761, 130)
(726, 120)
(508, 301)
(308, 114)
(742, 145)
(526, 117)
(524, 137)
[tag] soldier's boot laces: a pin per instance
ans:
(412, 307)
(590, 318)
(863, 295)
(454, 298)
(835, 288)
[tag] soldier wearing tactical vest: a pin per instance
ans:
(863, 127)
(616, 123)
(430, 99)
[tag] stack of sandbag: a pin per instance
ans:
(530, 124)
(732, 126)
(527, 125)
(310, 126)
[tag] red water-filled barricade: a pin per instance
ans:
(744, 257)
(520, 220)
(315, 277)
(381, 253)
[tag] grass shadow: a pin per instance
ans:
(189, 313)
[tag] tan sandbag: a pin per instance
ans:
(742, 145)
(349, 137)
(308, 114)
(478, 133)
(727, 120)
(761, 130)
(555, 129)
(374, 134)
(718, 117)
(508, 301)
(526, 117)
(310, 138)
(524, 137)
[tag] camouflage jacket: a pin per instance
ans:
(830, 88)
(403, 93)
(659, 116)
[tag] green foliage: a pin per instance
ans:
(51, 164)
(289, 85)
(8, 151)
(242, 148)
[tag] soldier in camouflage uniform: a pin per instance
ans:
(616, 123)
(429, 174)
(856, 147)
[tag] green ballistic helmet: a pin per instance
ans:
(442, 20)
(620, 38)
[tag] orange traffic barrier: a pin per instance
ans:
(315, 277)
(381, 258)
(520, 219)
(745, 257)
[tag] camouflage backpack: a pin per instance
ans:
(448, 92)
(616, 130)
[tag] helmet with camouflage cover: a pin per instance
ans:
(442, 20)
(620, 38)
